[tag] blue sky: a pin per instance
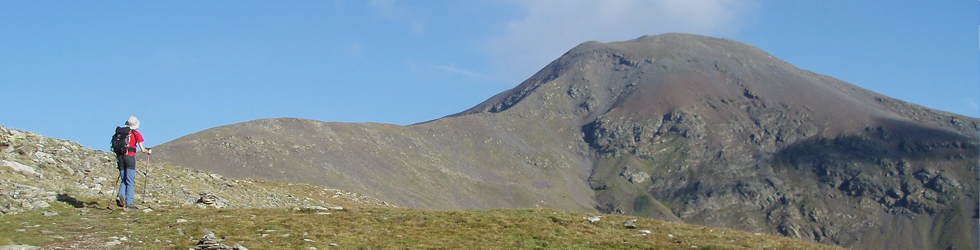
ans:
(75, 69)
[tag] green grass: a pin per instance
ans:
(367, 228)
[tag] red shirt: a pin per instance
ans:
(136, 138)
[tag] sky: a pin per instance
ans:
(76, 69)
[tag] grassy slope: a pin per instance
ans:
(362, 227)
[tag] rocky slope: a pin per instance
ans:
(36, 171)
(676, 127)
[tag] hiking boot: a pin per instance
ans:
(131, 206)
(120, 201)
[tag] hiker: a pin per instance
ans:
(126, 159)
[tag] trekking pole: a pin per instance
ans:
(146, 176)
(114, 193)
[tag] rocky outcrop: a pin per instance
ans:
(209, 199)
(211, 242)
(733, 137)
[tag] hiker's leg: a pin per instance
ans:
(129, 179)
(121, 165)
(130, 185)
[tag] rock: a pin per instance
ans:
(943, 184)
(927, 174)
(211, 242)
(592, 219)
(208, 198)
(630, 223)
(46, 213)
(20, 247)
(635, 176)
(19, 167)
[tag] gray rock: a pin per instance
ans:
(211, 242)
(592, 219)
(926, 175)
(19, 167)
(20, 247)
(943, 184)
(209, 199)
(630, 223)
(635, 176)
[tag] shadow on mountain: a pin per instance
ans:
(893, 141)
(918, 175)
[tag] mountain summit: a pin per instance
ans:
(675, 127)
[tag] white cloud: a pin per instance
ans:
(552, 27)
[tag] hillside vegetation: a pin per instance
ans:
(55, 194)
(366, 228)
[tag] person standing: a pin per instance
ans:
(127, 164)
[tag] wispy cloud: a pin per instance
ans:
(452, 69)
(398, 11)
(972, 105)
(385, 8)
(551, 27)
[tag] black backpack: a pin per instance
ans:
(120, 141)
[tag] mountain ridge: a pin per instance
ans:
(60, 192)
(675, 126)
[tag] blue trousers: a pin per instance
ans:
(127, 173)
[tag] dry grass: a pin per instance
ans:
(367, 227)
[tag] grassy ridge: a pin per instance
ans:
(366, 227)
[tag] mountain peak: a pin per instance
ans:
(718, 78)
(676, 127)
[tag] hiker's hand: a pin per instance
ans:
(149, 151)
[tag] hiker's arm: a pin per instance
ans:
(144, 149)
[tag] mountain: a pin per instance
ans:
(675, 127)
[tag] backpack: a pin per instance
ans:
(120, 141)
